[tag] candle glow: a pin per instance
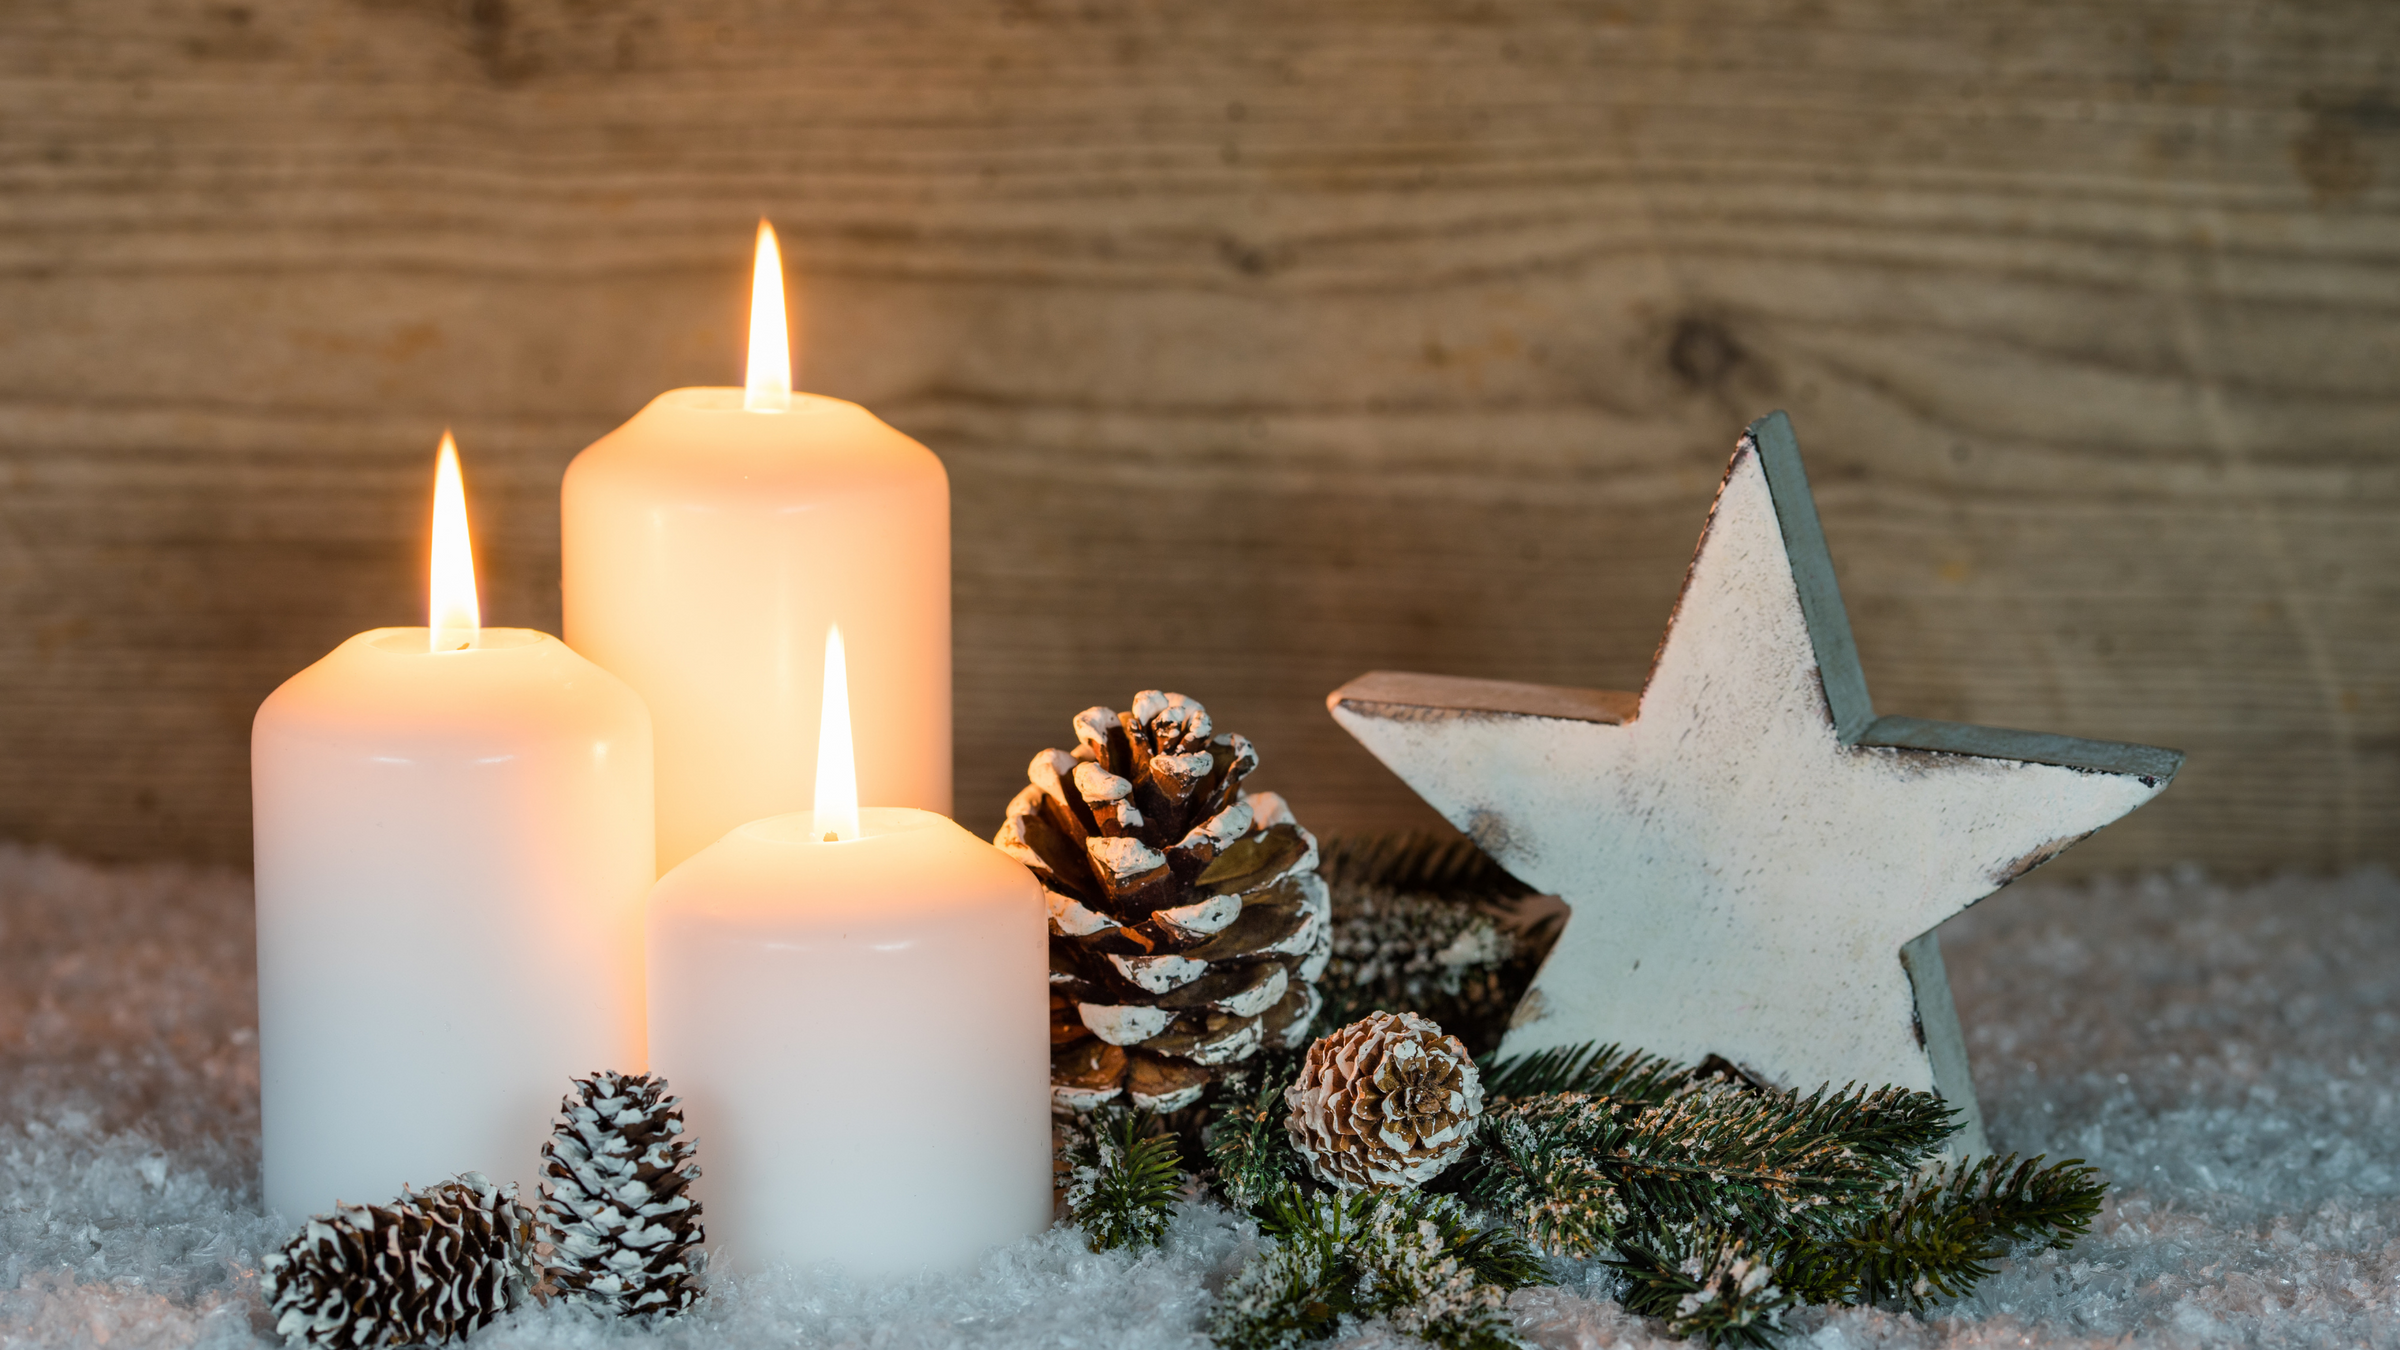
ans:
(769, 387)
(837, 769)
(455, 619)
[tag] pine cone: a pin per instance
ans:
(1187, 923)
(430, 1267)
(623, 1234)
(1387, 1102)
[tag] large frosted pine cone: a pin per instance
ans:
(1386, 1102)
(430, 1267)
(1188, 925)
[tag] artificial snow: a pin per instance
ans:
(2227, 1054)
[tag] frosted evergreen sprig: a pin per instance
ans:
(1123, 1177)
(1707, 1284)
(1564, 1202)
(1248, 1143)
(1576, 1170)
(1598, 1070)
(1936, 1235)
(1417, 1260)
(1721, 1202)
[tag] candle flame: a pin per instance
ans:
(769, 388)
(837, 766)
(456, 619)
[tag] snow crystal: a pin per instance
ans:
(2229, 1055)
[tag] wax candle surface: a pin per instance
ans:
(453, 848)
(705, 550)
(860, 1034)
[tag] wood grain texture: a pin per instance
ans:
(1266, 344)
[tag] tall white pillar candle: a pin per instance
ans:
(705, 547)
(453, 847)
(853, 1004)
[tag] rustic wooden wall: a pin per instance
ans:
(1267, 343)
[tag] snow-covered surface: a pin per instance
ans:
(2231, 1056)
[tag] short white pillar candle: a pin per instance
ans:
(853, 1004)
(453, 845)
(860, 1033)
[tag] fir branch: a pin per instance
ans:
(1935, 1236)
(1705, 1283)
(1893, 1128)
(2027, 1202)
(1291, 1293)
(1248, 1144)
(1124, 1177)
(1600, 1070)
(1722, 1154)
(1412, 1258)
(1581, 1173)
(1333, 1219)
(1498, 1255)
(1564, 1202)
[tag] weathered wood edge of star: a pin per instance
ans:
(1390, 696)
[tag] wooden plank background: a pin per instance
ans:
(1267, 343)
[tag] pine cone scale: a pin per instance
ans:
(1244, 990)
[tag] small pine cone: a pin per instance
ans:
(1188, 926)
(432, 1266)
(623, 1233)
(1386, 1102)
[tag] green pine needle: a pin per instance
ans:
(1574, 1169)
(1291, 1293)
(1414, 1259)
(1722, 1203)
(1562, 1200)
(1248, 1143)
(1936, 1236)
(1705, 1284)
(1125, 1175)
(1600, 1070)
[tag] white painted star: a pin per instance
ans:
(1755, 862)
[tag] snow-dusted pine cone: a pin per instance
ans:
(1386, 1102)
(432, 1266)
(1188, 925)
(623, 1234)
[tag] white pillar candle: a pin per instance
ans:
(706, 545)
(859, 1029)
(453, 846)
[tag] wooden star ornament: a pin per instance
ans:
(1755, 862)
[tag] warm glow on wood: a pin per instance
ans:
(456, 619)
(837, 767)
(769, 388)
